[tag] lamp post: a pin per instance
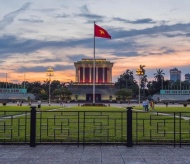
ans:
(49, 73)
(140, 72)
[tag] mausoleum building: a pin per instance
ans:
(83, 85)
(84, 71)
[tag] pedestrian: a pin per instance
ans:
(144, 105)
(61, 103)
(39, 103)
(152, 105)
(21, 103)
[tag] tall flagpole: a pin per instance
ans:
(94, 69)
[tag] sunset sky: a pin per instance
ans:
(36, 34)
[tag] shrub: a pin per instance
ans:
(4, 103)
(185, 105)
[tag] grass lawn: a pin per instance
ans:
(167, 109)
(15, 110)
(170, 109)
(25, 108)
(92, 124)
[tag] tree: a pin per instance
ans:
(55, 84)
(76, 97)
(144, 81)
(159, 75)
(124, 94)
(127, 81)
(152, 87)
(62, 93)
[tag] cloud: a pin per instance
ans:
(172, 35)
(138, 21)
(143, 21)
(47, 10)
(127, 54)
(120, 33)
(46, 60)
(167, 51)
(90, 17)
(12, 44)
(120, 19)
(43, 68)
(32, 20)
(163, 51)
(9, 18)
(84, 9)
(77, 57)
(63, 15)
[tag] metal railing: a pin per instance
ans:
(94, 127)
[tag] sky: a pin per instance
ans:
(37, 34)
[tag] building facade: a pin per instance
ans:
(84, 71)
(175, 74)
(187, 77)
(83, 85)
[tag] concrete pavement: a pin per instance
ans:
(95, 154)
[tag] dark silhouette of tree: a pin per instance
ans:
(156, 86)
(123, 94)
(144, 81)
(159, 75)
(127, 81)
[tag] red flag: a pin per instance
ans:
(100, 32)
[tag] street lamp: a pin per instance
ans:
(49, 73)
(140, 72)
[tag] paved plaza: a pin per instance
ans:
(93, 154)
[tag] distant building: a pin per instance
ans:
(84, 71)
(187, 77)
(83, 85)
(175, 74)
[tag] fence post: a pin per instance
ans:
(129, 127)
(33, 126)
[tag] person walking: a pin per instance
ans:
(152, 105)
(144, 105)
(39, 103)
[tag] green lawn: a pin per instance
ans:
(25, 108)
(92, 124)
(15, 110)
(167, 109)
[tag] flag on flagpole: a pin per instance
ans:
(100, 32)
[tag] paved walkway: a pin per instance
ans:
(63, 154)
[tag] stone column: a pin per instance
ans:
(90, 74)
(76, 75)
(103, 74)
(96, 74)
(110, 74)
(83, 74)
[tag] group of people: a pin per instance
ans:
(19, 103)
(146, 104)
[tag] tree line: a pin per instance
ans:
(129, 87)
(126, 84)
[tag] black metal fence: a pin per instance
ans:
(94, 127)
